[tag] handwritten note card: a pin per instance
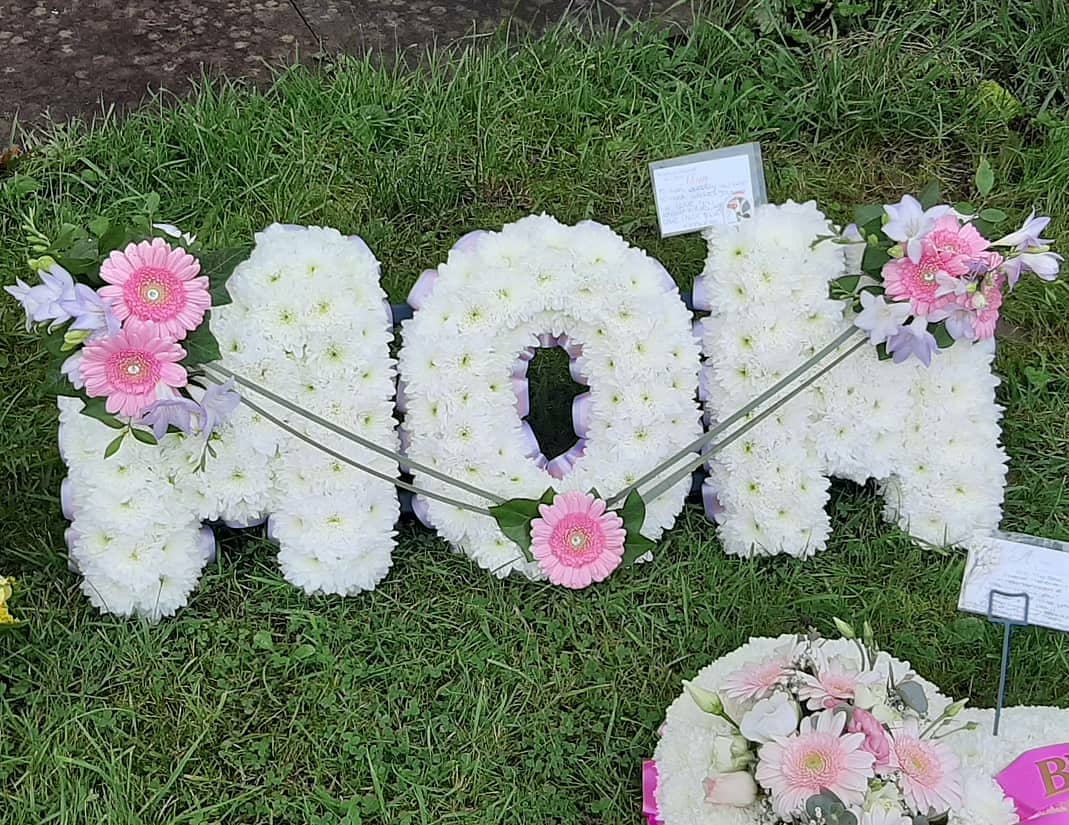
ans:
(694, 192)
(1016, 564)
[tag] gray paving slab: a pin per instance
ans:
(65, 58)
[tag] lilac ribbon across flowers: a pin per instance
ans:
(1038, 783)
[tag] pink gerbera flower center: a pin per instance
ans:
(814, 763)
(133, 369)
(153, 293)
(577, 540)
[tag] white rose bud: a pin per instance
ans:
(775, 716)
(736, 789)
(707, 700)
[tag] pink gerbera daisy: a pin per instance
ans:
(820, 757)
(918, 282)
(836, 681)
(576, 541)
(930, 780)
(956, 243)
(986, 302)
(756, 681)
(153, 281)
(132, 368)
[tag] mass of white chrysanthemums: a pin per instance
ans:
(928, 435)
(685, 749)
(477, 317)
(308, 322)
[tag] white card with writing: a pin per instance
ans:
(1009, 566)
(694, 192)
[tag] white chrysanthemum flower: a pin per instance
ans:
(307, 321)
(631, 340)
(765, 284)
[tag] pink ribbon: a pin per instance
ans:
(1038, 784)
(649, 793)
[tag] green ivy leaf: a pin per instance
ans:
(633, 512)
(636, 545)
(930, 195)
(114, 446)
(219, 265)
(514, 518)
(144, 436)
(200, 345)
(985, 178)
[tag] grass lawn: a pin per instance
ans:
(447, 695)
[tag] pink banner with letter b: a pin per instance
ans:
(1038, 784)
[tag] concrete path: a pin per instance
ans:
(66, 58)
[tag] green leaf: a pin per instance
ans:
(930, 195)
(200, 345)
(96, 408)
(993, 216)
(99, 226)
(874, 258)
(114, 446)
(843, 289)
(965, 208)
(81, 257)
(912, 694)
(263, 640)
(19, 185)
(985, 178)
(144, 436)
(942, 337)
(219, 265)
(864, 215)
(514, 517)
(633, 511)
(636, 545)
(112, 239)
(881, 352)
(152, 203)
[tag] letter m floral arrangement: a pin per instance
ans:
(126, 307)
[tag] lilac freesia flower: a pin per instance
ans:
(959, 322)
(1027, 237)
(170, 412)
(949, 285)
(90, 313)
(909, 222)
(913, 339)
(1044, 264)
(217, 404)
(72, 369)
(44, 301)
(878, 318)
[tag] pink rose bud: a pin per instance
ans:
(737, 789)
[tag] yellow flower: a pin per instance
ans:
(5, 594)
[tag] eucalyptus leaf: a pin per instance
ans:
(913, 695)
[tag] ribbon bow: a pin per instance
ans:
(1038, 784)
(649, 790)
